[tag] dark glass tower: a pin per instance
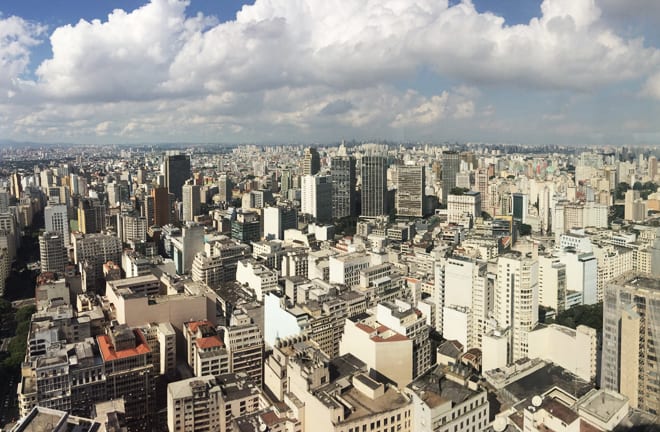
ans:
(177, 171)
(374, 186)
(342, 170)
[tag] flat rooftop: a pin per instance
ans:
(434, 389)
(602, 404)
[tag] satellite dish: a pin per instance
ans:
(499, 424)
(262, 427)
(537, 401)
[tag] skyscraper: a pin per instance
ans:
(451, 164)
(631, 341)
(410, 191)
(52, 252)
(57, 220)
(161, 206)
(177, 171)
(191, 202)
(342, 170)
(374, 185)
(316, 195)
(311, 162)
(516, 300)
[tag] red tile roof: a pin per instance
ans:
(194, 325)
(209, 342)
(108, 350)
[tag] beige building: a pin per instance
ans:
(380, 348)
(631, 325)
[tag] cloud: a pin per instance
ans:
(17, 37)
(309, 66)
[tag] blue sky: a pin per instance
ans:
(551, 71)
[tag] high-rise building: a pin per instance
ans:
(316, 195)
(286, 182)
(15, 185)
(460, 207)
(177, 171)
(516, 300)
(374, 185)
(631, 341)
(225, 187)
(131, 228)
(191, 202)
(311, 162)
(161, 206)
(129, 374)
(519, 207)
(653, 167)
(410, 191)
(279, 219)
(91, 216)
(57, 220)
(52, 252)
(342, 170)
(451, 165)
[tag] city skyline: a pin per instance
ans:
(579, 72)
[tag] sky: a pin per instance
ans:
(569, 72)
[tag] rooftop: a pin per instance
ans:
(435, 389)
(108, 352)
(602, 404)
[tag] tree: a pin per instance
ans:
(458, 191)
(589, 315)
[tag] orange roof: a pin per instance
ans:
(378, 337)
(108, 350)
(194, 325)
(209, 342)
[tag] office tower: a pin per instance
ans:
(316, 197)
(91, 216)
(129, 374)
(519, 207)
(342, 171)
(245, 346)
(653, 167)
(162, 209)
(91, 252)
(451, 164)
(177, 171)
(246, 227)
(286, 182)
(225, 187)
(516, 300)
(463, 207)
(52, 252)
(631, 329)
(4, 201)
(131, 228)
(631, 340)
(191, 202)
(57, 220)
(374, 185)
(15, 186)
(311, 162)
(279, 219)
(410, 191)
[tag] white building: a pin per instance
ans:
(459, 205)
(574, 350)
(516, 300)
(57, 220)
(345, 269)
(316, 197)
(258, 277)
